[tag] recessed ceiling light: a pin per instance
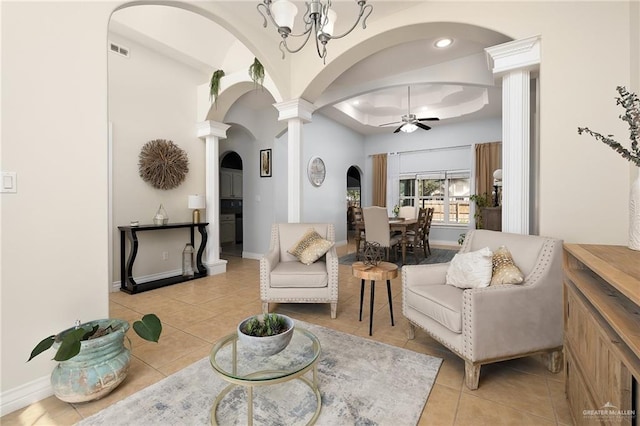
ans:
(443, 42)
(356, 102)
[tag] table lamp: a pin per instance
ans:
(196, 202)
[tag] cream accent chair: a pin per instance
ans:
(284, 279)
(495, 323)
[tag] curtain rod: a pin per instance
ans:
(425, 150)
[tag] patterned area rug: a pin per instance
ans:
(362, 382)
(437, 256)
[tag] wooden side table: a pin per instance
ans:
(382, 271)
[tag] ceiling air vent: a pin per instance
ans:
(120, 50)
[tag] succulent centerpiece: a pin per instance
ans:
(266, 334)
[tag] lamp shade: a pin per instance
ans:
(284, 13)
(330, 22)
(196, 201)
(497, 174)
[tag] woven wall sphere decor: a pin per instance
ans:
(163, 164)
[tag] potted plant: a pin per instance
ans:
(482, 201)
(92, 357)
(631, 104)
(266, 334)
(214, 85)
(256, 72)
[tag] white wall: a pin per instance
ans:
(339, 148)
(54, 265)
(152, 97)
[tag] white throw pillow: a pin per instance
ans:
(470, 270)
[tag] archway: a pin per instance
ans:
(231, 200)
(353, 192)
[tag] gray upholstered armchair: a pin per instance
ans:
(284, 279)
(498, 322)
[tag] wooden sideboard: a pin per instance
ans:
(602, 333)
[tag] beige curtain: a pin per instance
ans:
(488, 159)
(379, 180)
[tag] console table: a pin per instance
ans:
(602, 333)
(128, 284)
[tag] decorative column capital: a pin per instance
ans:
(295, 108)
(521, 54)
(212, 128)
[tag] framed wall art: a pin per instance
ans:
(265, 163)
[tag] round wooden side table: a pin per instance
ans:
(382, 271)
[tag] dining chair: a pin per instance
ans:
(427, 228)
(376, 222)
(358, 222)
(407, 212)
(415, 237)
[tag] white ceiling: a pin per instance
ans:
(370, 93)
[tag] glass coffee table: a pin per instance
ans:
(238, 366)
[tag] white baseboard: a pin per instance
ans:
(27, 394)
(254, 256)
(147, 278)
(216, 267)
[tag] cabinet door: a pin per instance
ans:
(226, 185)
(227, 232)
(237, 185)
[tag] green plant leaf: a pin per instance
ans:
(42, 346)
(70, 345)
(214, 85)
(256, 72)
(149, 328)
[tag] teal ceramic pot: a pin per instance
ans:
(99, 368)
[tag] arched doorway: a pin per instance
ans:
(354, 189)
(231, 178)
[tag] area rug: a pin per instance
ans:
(436, 256)
(362, 382)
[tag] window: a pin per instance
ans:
(407, 192)
(446, 192)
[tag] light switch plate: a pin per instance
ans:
(8, 183)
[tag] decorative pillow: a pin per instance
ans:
(470, 270)
(505, 270)
(310, 247)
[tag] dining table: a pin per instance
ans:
(396, 224)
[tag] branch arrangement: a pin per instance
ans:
(631, 103)
(163, 164)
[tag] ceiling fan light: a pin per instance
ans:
(443, 42)
(409, 128)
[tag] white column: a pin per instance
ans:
(296, 112)
(212, 132)
(514, 62)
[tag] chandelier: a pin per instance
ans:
(319, 20)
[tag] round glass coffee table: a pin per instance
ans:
(237, 365)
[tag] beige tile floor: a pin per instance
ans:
(195, 314)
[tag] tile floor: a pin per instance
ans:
(195, 314)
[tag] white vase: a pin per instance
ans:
(634, 215)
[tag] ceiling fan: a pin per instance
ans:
(410, 122)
